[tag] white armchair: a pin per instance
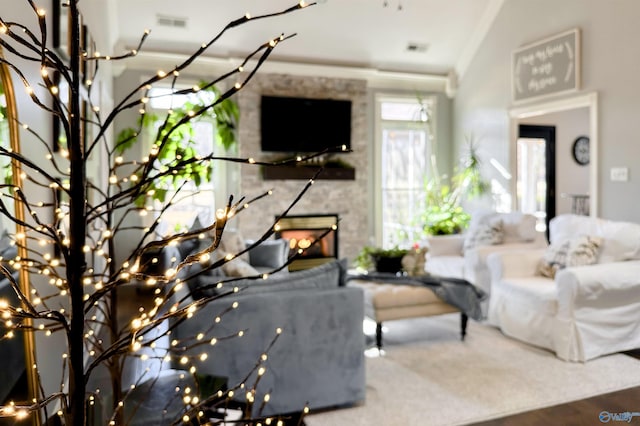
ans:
(584, 311)
(465, 256)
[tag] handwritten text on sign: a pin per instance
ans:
(547, 67)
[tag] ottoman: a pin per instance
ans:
(389, 301)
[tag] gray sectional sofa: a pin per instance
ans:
(317, 359)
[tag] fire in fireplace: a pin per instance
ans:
(302, 231)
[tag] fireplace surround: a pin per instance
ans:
(305, 232)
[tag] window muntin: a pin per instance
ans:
(405, 150)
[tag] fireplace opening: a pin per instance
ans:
(302, 231)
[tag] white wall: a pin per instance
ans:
(610, 62)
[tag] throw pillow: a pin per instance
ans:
(195, 279)
(485, 234)
(188, 246)
(233, 242)
(578, 251)
(270, 253)
(239, 268)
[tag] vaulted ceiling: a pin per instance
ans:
(410, 36)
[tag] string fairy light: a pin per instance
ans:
(57, 242)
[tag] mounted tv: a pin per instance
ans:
(304, 125)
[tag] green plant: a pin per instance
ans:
(367, 256)
(470, 177)
(176, 136)
(443, 213)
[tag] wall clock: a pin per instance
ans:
(580, 150)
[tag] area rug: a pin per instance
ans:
(427, 376)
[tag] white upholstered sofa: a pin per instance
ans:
(464, 256)
(584, 311)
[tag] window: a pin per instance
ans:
(193, 200)
(404, 150)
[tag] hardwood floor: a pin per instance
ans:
(583, 412)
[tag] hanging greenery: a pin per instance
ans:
(443, 213)
(178, 142)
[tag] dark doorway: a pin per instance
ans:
(535, 151)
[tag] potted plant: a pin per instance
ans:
(443, 213)
(382, 260)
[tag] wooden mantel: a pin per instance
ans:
(307, 172)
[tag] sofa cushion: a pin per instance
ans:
(327, 275)
(484, 234)
(516, 226)
(578, 251)
(529, 294)
(269, 253)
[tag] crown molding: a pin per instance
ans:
(206, 65)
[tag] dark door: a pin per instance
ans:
(532, 140)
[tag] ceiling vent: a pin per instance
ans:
(172, 21)
(417, 47)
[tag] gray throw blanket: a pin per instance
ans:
(455, 291)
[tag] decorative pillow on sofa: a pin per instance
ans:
(233, 242)
(517, 227)
(484, 234)
(238, 268)
(578, 251)
(188, 246)
(269, 253)
(195, 279)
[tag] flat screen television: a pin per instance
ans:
(304, 125)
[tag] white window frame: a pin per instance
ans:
(379, 98)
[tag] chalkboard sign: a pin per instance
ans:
(547, 67)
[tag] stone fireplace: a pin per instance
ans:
(348, 198)
(317, 234)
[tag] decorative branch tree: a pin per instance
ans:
(75, 249)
